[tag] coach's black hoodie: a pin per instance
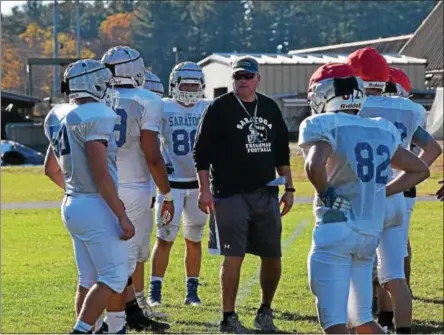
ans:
(241, 155)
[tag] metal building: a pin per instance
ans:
(285, 77)
(289, 74)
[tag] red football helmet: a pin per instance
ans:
(401, 80)
(334, 87)
(371, 66)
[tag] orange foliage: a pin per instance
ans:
(13, 71)
(116, 29)
(39, 42)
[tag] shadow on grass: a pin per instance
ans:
(427, 327)
(430, 301)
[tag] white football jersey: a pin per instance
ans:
(179, 127)
(138, 110)
(68, 127)
(358, 167)
(405, 114)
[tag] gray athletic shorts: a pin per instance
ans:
(247, 223)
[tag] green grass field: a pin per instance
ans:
(29, 184)
(39, 276)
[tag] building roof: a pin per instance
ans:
(19, 97)
(383, 45)
(427, 41)
(228, 58)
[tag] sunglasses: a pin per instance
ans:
(245, 75)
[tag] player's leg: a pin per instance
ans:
(92, 222)
(391, 277)
(359, 308)
(410, 203)
(407, 265)
(232, 230)
(329, 273)
(264, 240)
(166, 234)
(194, 221)
(137, 205)
(87, 275)
(391, 252)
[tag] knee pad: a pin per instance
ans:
(144, 253)
(167, 233)
(193, 233)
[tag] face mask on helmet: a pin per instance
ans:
(126, 65)
(187, 73)
(337, 94)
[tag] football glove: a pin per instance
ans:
(330, 199)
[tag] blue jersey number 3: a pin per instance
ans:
(120, 128)
(366, 166)
(183, 142)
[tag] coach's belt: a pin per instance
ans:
(184, 185)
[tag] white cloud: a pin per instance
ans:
(6, 6)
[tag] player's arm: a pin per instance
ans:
(202, 154)
(315, 165)
(150, 145)
(151, 148)
(96, 154)
(431, 149)
(414, 170)
(149, 141)
(52, 168)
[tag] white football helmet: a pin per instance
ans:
(337, 94)
(89, 78)
(187, 73)
(126, 65)
(153, 83)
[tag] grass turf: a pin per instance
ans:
(29, 184)
(39, 277)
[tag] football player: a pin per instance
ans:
(81, 159)
(347, 159)
(180, 120)
(153, 83)
(408, 117)
(399, 85)
(138, 160)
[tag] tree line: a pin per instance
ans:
(196, 28)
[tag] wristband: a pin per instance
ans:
(168, 197)
(290, 189)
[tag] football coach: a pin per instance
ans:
(242, 140)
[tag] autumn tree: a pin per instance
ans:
(39, 42)
(13, 69)
(116, 30)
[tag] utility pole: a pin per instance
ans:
(56, 48)
(78, 29)
(176, 52)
